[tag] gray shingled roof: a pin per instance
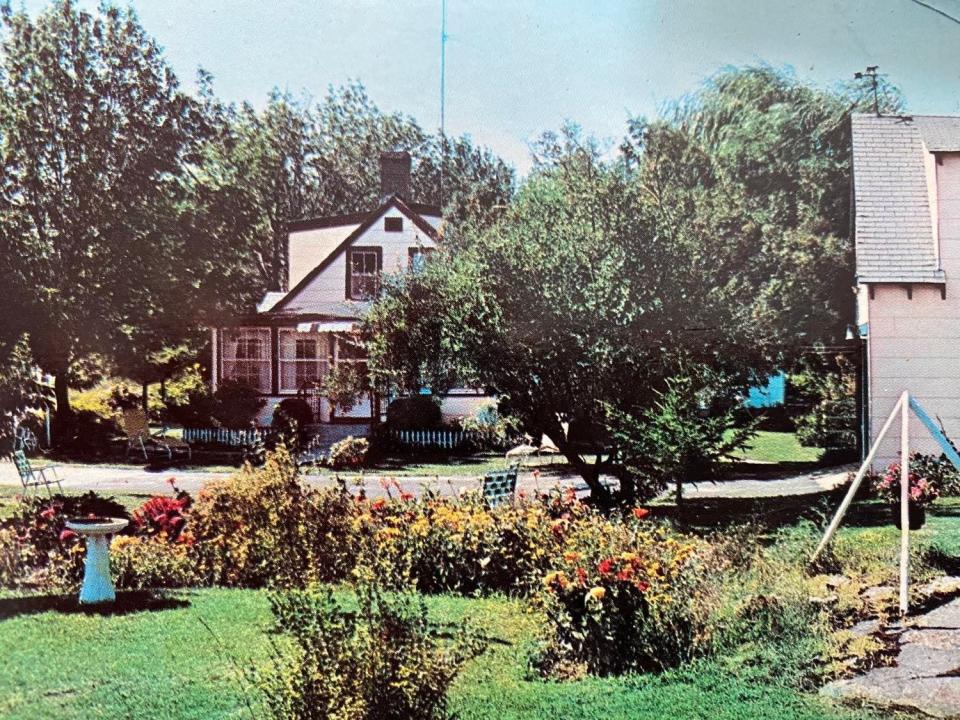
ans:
(894, 232)
(940, 133)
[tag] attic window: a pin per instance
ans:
(393, 224)
(364, 265)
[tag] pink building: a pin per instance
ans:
(906, 192)
(295, 338)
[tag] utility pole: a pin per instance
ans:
(871, 72)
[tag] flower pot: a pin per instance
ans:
(916, 513)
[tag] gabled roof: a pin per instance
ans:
(894, 229)
(394, 201)
(353, 218)
(940, 133)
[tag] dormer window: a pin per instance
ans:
(418, 258)
(364, 265)
(393, 224)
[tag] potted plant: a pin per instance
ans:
(923, 490)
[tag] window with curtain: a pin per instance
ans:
(246, 357)
(303, 359)
(363, 273)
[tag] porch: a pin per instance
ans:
(294, 360)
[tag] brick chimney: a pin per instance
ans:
(395, 174)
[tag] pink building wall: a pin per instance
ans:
(914, 344)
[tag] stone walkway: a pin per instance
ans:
(926, 677)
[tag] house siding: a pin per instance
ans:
(914, 344)
(308, 247)
(327, 291)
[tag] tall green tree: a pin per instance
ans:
(712, 246)
(93, 126)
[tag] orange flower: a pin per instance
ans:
(571, 556)
(596, 594)
(378, 504)
(640, 513)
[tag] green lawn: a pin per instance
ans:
(165, 663)
(778, 447)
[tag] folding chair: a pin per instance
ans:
(139, 439)
(499, 486)
(34, 478)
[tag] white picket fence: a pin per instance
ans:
(439, 439)
(223, 436)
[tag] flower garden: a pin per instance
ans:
(261, 595)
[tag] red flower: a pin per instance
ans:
(48, 513)
(605, 566)
(625, 573)
(378, 504)
(67, 535)
(640, 513)
(581, 576)
(642, 586)
(406, 497)
(558, 527)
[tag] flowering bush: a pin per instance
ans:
(922, 487)
(383, 662)
(162, 516)
(151, 562)
(349, 453)
(624, 596)
(49, 554)
(262, 526)
(458, 545)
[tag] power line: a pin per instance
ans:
(937, 10)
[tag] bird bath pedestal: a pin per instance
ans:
(97, 586)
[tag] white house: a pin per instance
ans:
(335, 264)
(906, 193)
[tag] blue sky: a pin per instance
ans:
(517, 68)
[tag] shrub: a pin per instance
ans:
(625, 596)
(162, 516)
(263, 526)
(830, 392)
(87, 434)
(416, 412)
(195, 406)
(236, 404)
(349, 453)
(50, 555)
(382, 662)
(939, 472)
(138, 563)
(682, 436)
(493, 429)
(291, 417)
(443, 545)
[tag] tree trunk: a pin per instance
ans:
(64, 414)
(589, 472)
(144, 396)
(678, 492)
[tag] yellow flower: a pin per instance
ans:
(596, 594)
(571, 556)
(628, 556)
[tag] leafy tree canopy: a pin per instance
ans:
(715, 239)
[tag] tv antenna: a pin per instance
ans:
(871, 73)
(443, 94)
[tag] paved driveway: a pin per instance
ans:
(107, 479)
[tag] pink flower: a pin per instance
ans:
(67, 535)
(171, 481)
(49, 513)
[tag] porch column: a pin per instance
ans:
(275, 360)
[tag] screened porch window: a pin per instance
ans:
(246, 357)
(303, 359)
(363, 273)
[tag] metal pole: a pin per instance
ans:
(901, 407)
(904, 507)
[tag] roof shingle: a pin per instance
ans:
(894, 231)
